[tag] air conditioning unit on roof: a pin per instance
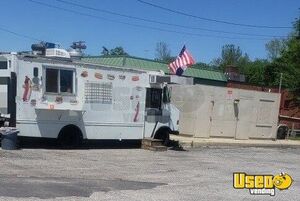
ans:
(159, 79)
(56, 52)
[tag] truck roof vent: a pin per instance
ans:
(76, 49)
(38, 48)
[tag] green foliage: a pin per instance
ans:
(201, 65)
(231, 55)
(291, 55)
(254, 71)
(275, 48)
(283, 55)
(288, 64)
(117, 51)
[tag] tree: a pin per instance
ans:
(242, 62)
(275, 48)
(255, 71)
(272, 75)
(288, 63)
(163, 52)
(231, 55)
(117, 51)
(216, 62)
(201, 65)
(283, 55)
(105, 51)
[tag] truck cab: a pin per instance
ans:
(161, 116)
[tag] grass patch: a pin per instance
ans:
(294, 138)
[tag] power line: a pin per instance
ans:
(18, 34)
(160, 22)
(138, 25)
(213, 20)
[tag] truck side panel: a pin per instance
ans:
(105, 104)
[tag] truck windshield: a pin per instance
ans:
(153, 98)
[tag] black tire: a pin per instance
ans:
(282, 132)
(163, 135)
(70, 137)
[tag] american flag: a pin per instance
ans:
(183, 61)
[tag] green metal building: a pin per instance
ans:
(201, 76)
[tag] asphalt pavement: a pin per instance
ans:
(204, 173)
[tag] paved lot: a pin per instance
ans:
(135, 174)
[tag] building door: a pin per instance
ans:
(223, 120)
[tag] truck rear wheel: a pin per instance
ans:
(70, 137)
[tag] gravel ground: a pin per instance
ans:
(136, 174)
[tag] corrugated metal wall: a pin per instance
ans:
(209, 111)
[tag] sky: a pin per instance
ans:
(24, 22)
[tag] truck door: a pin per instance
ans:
(3, 95)
(154, 101)
(3, 86)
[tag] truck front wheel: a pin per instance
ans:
(164, 135)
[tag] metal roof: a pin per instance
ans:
(152, 65)
(63, 61)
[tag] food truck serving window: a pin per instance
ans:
(59, 81)
(153, 98)
(66, 81)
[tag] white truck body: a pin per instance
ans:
(104, 102)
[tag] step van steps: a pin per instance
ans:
(153, 144)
